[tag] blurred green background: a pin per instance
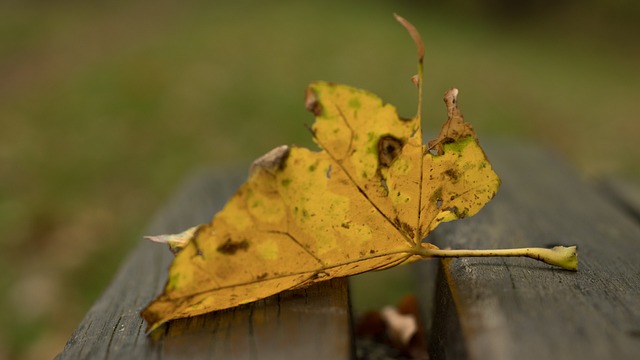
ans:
(106, 106)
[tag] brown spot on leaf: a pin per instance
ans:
(437, 197)
(404, 227)
(389, 148)
(261, 276)
(384, 190)
(231, 247)
(408, 229)
(453, 174)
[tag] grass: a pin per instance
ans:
(104, 108)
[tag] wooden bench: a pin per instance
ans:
(473, 308)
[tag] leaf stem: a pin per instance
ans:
(564, 257)
(417, 79)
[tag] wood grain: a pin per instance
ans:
(311, 323)
(624, 193)
(518, 308)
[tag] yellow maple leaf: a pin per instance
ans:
(364, 202)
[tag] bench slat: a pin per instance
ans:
(518, 308)
(625, 194)
(311, 323)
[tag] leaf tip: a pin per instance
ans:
(175, 241)
(153, 320)
(451, 95)
(271, 161)
(451, 101)
(311, 102)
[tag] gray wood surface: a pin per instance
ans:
(311, 323)
(625, 194)
(513, 308)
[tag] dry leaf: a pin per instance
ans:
(364, 202)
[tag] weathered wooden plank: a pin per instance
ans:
(624, 193)
(521, 309)
(310, 323)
